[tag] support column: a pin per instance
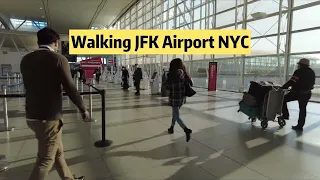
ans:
(278, 41)
(175, 7)
(288, 41)
(243, 57)
(214, 25)
(236, 27)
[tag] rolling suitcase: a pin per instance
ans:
(125, 85)
(259, 90)
(272, 107)
(251, 111)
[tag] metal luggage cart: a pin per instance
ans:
(272, 107)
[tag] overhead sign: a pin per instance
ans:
(90, 65)
(93, 62)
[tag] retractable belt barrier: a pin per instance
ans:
(101, 143)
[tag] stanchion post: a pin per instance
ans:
(77, 81)
(81, 88)
(15, 78)
(8, 79)
(90, 105)
(5, 126)
(93, 80)
(103, 142)
(18, 83)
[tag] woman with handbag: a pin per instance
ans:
(177, 85)
(188, 77)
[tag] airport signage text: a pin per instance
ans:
(159, 42)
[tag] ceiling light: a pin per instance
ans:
(259, 15)
(40, 7)
(42, 16)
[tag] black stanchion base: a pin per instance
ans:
(103, 143)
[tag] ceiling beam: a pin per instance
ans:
(122, 13)
(97, 12)
(45, 4)
(22, 33)
(6, 22)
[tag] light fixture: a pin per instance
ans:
(259, 15)
(42, 16)
(40, 7)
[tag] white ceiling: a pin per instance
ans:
(63, 15)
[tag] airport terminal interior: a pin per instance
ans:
(224, 144)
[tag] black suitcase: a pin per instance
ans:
(125, 85)
(259, 90)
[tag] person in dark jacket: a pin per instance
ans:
(176, 84)
(97, 72)
(301, 84)
(125, 78)
(137, 77)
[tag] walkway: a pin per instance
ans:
(224, 144)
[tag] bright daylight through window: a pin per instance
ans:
(275, 51)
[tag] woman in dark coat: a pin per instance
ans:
(176, 84)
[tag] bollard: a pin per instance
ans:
(103, 142)
(90, 106)
(5, 126)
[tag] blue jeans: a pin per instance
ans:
(176, 117)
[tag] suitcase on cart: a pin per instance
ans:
(259, 90)
(272, 107)
(268, 100)
(250, 111)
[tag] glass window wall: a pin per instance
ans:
(270, 60)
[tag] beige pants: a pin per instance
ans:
(50, 150)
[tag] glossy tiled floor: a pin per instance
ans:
(224, 144)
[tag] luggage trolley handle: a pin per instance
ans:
(284, 92)
(276, 88)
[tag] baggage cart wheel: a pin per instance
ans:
(264, 124)
(281, 121)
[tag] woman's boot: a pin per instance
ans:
(171, 130)
(188, 133)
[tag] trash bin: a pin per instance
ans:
(154, 84)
